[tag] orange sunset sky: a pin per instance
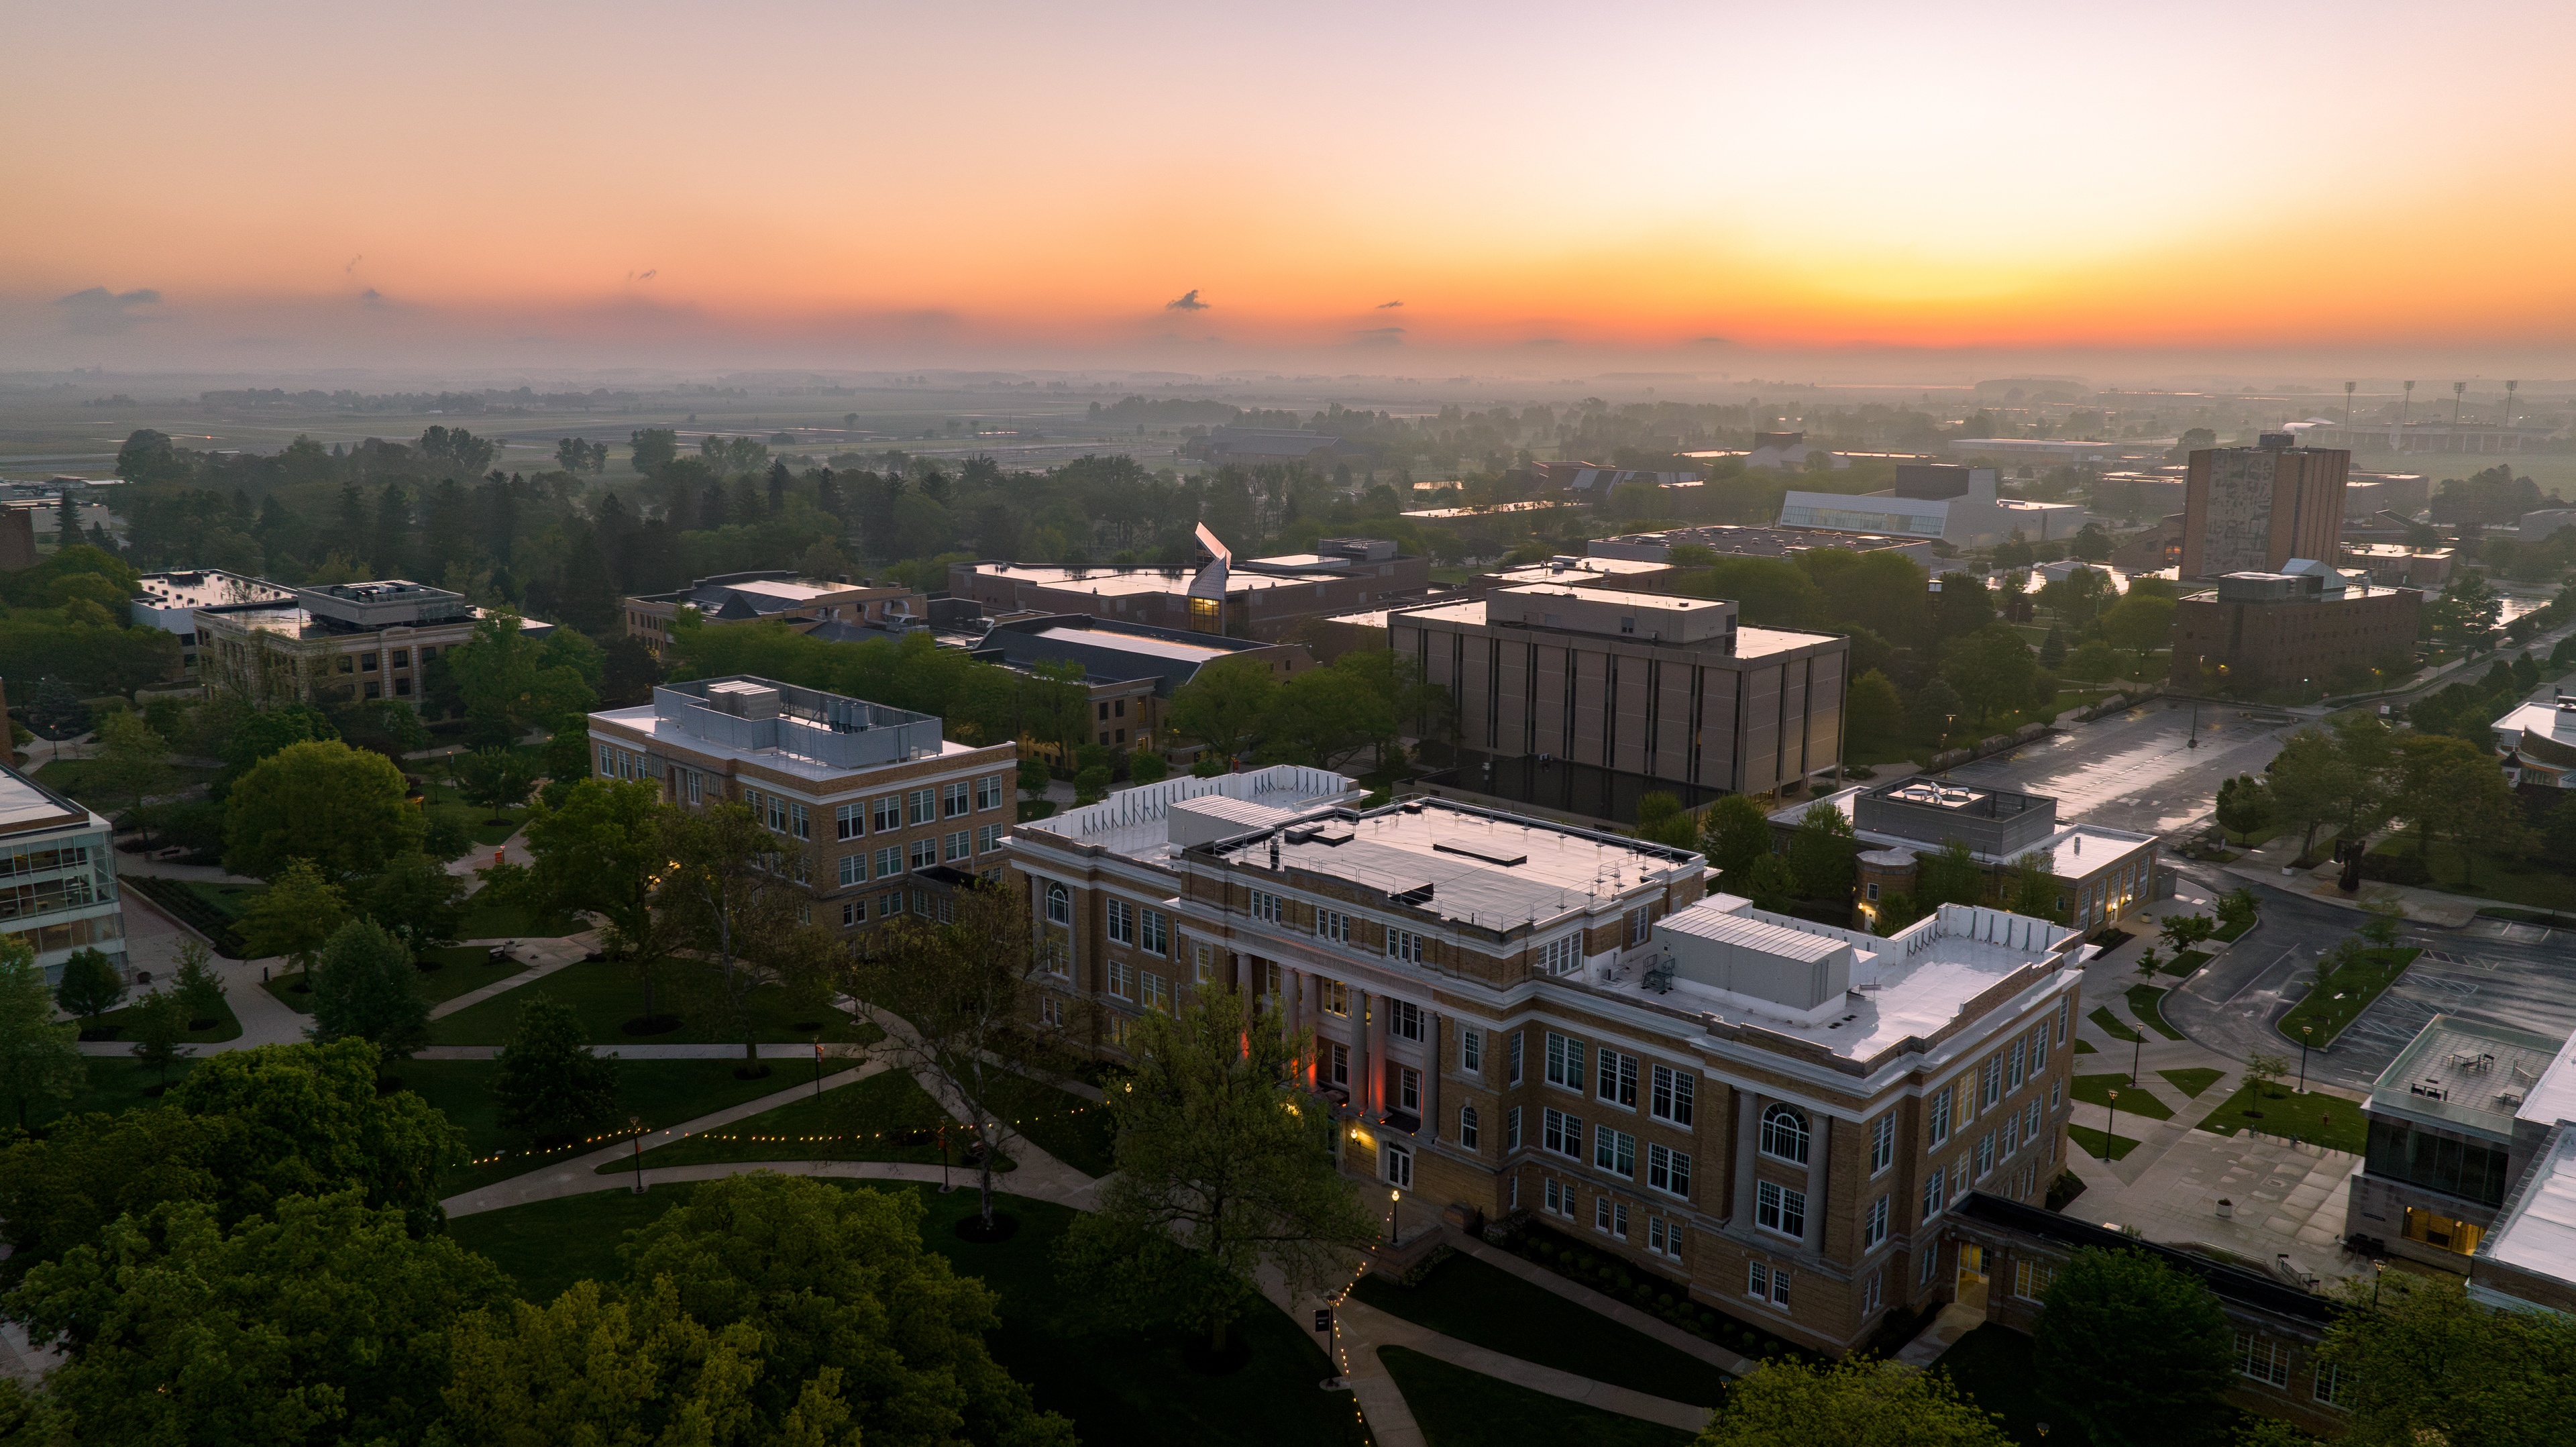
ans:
(272, 182)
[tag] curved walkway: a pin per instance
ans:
(1362, 1330)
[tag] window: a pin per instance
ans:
(2039, 1047)
(1617, 1079)
(2031, 1279)
(1671, 1099)
(925, 852)
(854, 869)
(1397, 1163)
(1404, 1019)
(1471, 1051)
(797, 823)
(1560, 1198)
(1338, 1065)
(402, 688)
(1332, 924)
(849, 821)
(2012, 1067)
(1757, 1281)
(1561, 1133)
(1990, 1082)
(1514, 1057)
(1122, 922)
(890, 904)
(1408, 1090)
(1119, 1028)
(1561, 956)
(1873, 1292)
(1873, 1227)
(957, 845)
(1512, 1129)
(1158, 993)
(1664, 1238)
(1933, 1194)
(366, 663)
(854, 911)
(1614, 1151)
(375, 690)
(890, 863)
(988, 792)
(1333, 997)
(2263, 1359)
(953, 798)
(1122, 979)
(2329, 1387)
(1931, 1261)
(1668, 1169)
(2012, 1134)
(1938, 1130)
(1564, 1061)
(1882, 1143)
(1784, 1135)
(1986, 1156)
(1467, 1126)
(888, 814)
(921, 805)
(1779, 1208)
(2030, 1120)
(1610, 1217)
(1640, 924)
(1779, 1286)
(1404, 944)
(2052, 1094)
(1051, 1011)
(989, 838)
(1267, 906)
(402, 658)
(1059, 904)
(1156, 935)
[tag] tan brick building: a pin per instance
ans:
(2253, 509)
(880, 813)
(1511, 1014)
(344, 643)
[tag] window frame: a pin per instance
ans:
(1671, 1096)
(1782, 1122)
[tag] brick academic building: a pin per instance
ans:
(2258, 631)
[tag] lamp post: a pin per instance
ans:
(945, 1186)
(2305, 1032)
(636, 1124)
(2378, 1268)
(2109, 1149)
(1394, 1205)
(818, 1067)
(2458, 390)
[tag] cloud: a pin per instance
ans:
(644, 275)
(1381, 306)
(1378, 336)
(1187, 301)
(99, 311)
(1712, 342)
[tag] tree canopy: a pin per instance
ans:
(337, 808)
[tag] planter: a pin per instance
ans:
(2226, 1209)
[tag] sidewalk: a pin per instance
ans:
(1363, 1330)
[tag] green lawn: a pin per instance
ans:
(2112, 1025)
(461, 970)
(443, 801)
(886, 1117)
(1456, 1407)
(1483, 1304)
(605, 996)
(1118, 1387)
(1079, 1132)
(78, 778)
(228, 899)
(2096, 1089)
(2092, 1142)
(2327, 1120)
(663, 1092)
(122, 1019)
(2147, 1003)
(116, 1083)
(2194, 1080)
(1991, 1366)
(2533, 882)
(2329, 1007)
(2184, 962)
(488, 919)
(2086, 1047)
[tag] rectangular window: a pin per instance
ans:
(1561, 1133)
(2030, 1120)
(1156, 935)
(1779, 1208)
(2012, 1134)
(956, 845)
(2039, 1046)
(1338, 1064)
(890, 904)
(366, 663)
(1513, 1075)
(1614, 1151)
(375, 690)
(1560, 1198)
(1122, 979)
(1561, 956)
(988, 792)
(1757, 1281)
(402, 658)
(1333, 997)
(925, 853)
(1333, 925)
(2052, 1093)
(797, 823)
(1404, 1019)
(1933, 1195)
(854, 911)
(1640, 924)
(1873, 1293)
(1564, 1061)
(1610, 1217)
(2329, 1387)
(849, 821)
(1408, 1090)
(922, 805)
(1990, 1082)
(1119, 1028)
(1158, 993)
(1939, 1129)
(988, 838)
(1404, 944)
(1467, 1126)
(1268, 906)
(1672, 1095)
(1051, 1012)
(1986, 1156)
(1121, 922)
(1471, 1052)
(953, 799)
(1512, 1129)
(2031, 1279)
(890, 861)
(2012, 1067)
(1617, 1080)
(854, 869)
(888, 814)
(1882, 1143)
(2263, 1359)
(1873, 1227)
(402, 688)
(1668, 1169)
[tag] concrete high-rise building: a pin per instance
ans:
(2253, 509)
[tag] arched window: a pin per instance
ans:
(1784, 1134)
(1059, 904)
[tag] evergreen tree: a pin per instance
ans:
(551, 1084)
(2052, 649)
(90, 986)
(365, 987)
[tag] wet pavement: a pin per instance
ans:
(2139, 770)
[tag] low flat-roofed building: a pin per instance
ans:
(2539, 743)
(1259, 598)
(1729, 541)
(2298, 628)
(1131, 669)
(2528, 1258)
(58, 886)
(1516, 1015)
(2101, 873)
(2447, 1139)
(875, 807)
(1959, 506)
(2037, 449)
(347, 642)
(1626, 574)
(2394, 565)
(169, 602)
(779, 595)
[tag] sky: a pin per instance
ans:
(1701, 187)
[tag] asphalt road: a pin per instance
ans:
(2520, 976)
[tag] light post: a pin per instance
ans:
(636, 1124)
(2194, 741)
(2305, 1032)
(2378, 1268)
(944, 1184)
(1394, 1203)
(818, 1067)
(2110, 1148)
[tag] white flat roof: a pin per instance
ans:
(2539, 1234)
(2545, 719)
(1750, 642)
(2552, 1098)
(1490, 870)
(643, 719)
(1138, 643)
(1134, 823)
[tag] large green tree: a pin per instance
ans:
(2454, 789)
(90, 986)
(600, 1366)
(1821, 851)
(365, 987)
(39, 1066)
(511, 683)
(1873, 713)
(339, 808)
(494, 779)
(1856, 1403)
(417, 899)
(1224, 705)
(550, 1083)
(2312, 783)
(1994, 671)
(2136, 1352)
(601, 850)
(1225, 1174)
(2417, 1361)
(2140, 623)
(308, 1120)
(729, 896)
(1735, 832)
(293, 916)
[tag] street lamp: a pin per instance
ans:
(2305, 1031)
(1394, 1204)
(2110, 1150)
(636, 1124)
(2378, 1268)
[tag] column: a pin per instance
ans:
(1431, 1079)
(1363, 1058)
(1243, 967)
(1740, 1207)
(1820, 1157)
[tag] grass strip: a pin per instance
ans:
(1488, 1306)
(1456, 1407)
(2096, 1090)
(2311, 1116)
(2337, 1000)
(2112, 1025)
(2147, 1003)
(2094, 1142)
(2193, 1080)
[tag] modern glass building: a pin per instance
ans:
(57, 875)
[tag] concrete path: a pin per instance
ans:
(1364, 1331)
(1940, 1334)
(1643, 1323)
(721, 1050)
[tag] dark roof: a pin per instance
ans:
(2228, 1283)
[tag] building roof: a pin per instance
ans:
(1135, 582)
(27, 807)
(2464, 1075)
(2228, 1283)
(2552, 1098)
(2554, 721)
(1135, 823)
(205, 588)
(1750, 642)
(804, 732)
(2536, 1231)
(1110, 649)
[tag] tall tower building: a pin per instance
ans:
(2253, 509)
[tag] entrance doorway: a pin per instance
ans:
(1972, 1277)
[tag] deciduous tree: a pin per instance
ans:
(293, 916)
(728, 894)
(1821, 852)
(160, 1033)
(337, 807)
(416, 899)
(199, 989)
(494, 779)
(39, 1066)
(366, 987)
(90, 986)
(1734, 832)
(2419, 1362)
(602, 849)
(2134, 1351)
(549, 1081)
(1858, 1403)
(1224, 705)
